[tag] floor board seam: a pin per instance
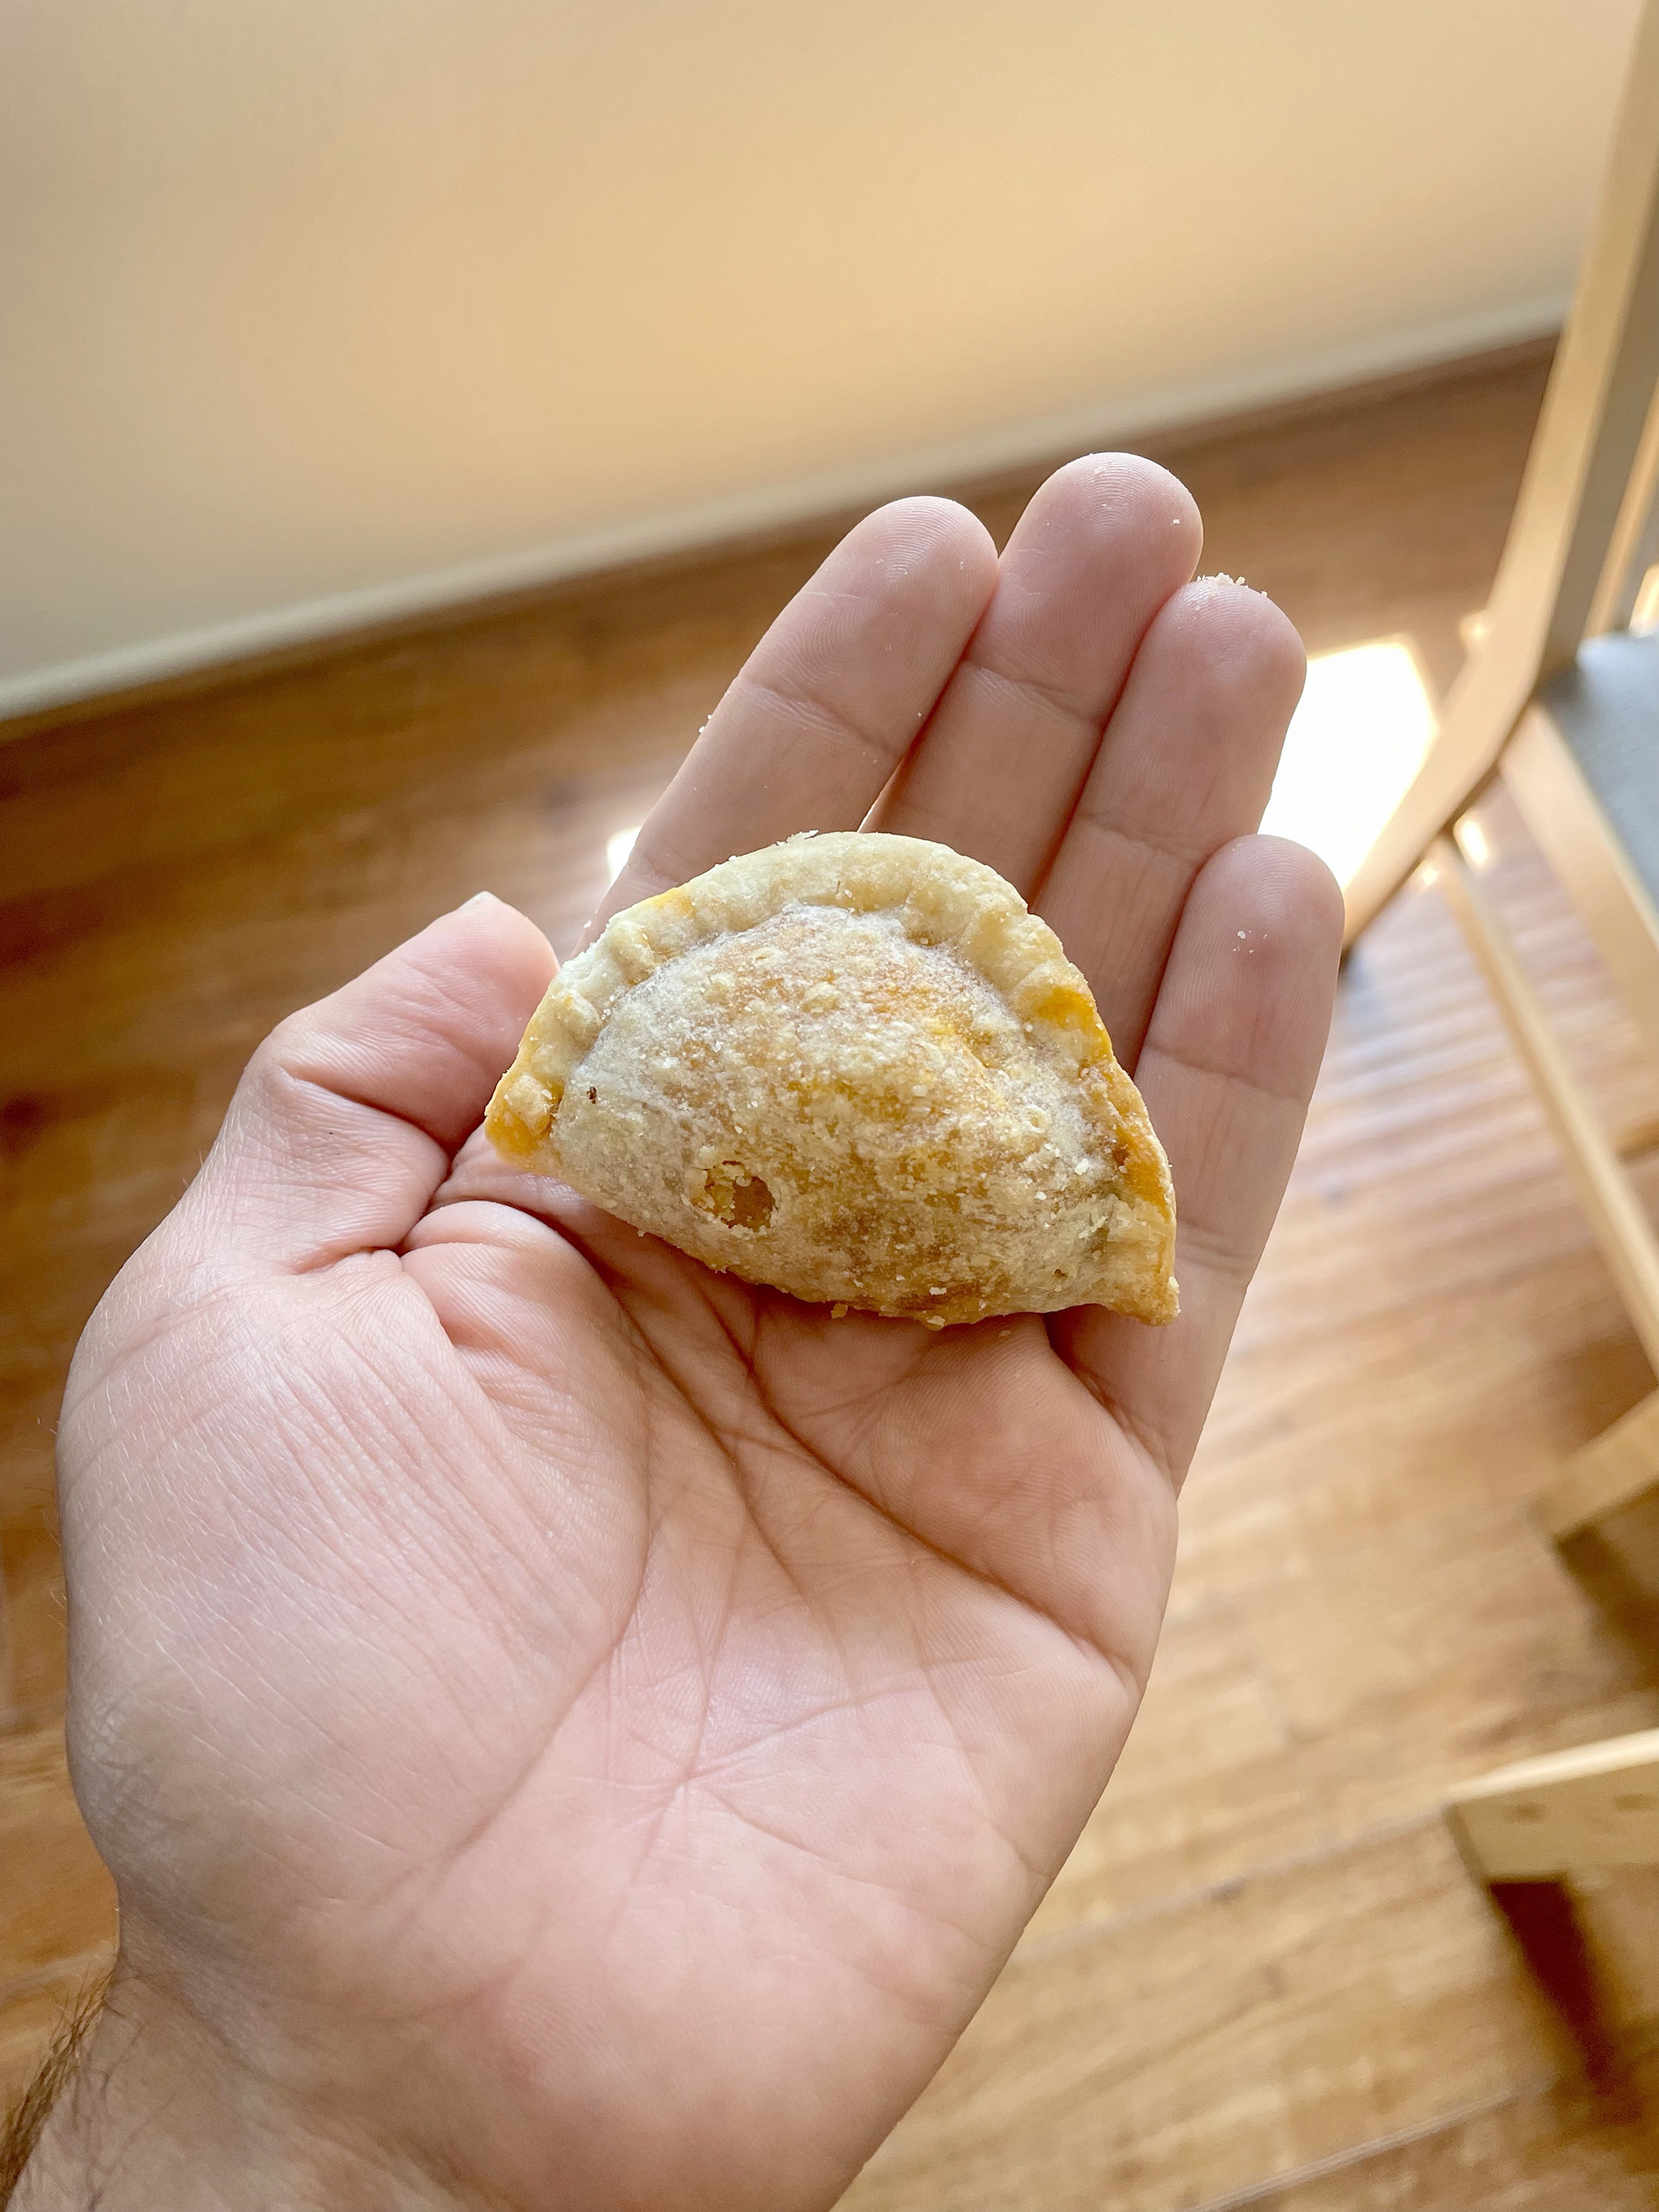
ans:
(1343, 2161)
(1132, 1916)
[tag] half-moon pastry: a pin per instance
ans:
(853, 1066)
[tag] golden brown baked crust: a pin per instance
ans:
(853, 1066)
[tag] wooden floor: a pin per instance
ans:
(1264, 1979)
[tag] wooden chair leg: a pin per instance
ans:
(1587, 857)
(1567, 1813)
(1616, 1468)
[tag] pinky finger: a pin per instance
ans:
(1227, 1070)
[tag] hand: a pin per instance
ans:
(568, 1730)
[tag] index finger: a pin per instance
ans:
(830, 700)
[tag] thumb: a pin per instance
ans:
(346, 1118)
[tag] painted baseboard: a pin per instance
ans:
(771, 506)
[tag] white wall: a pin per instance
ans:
(312, 309)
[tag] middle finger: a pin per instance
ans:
(997, 769)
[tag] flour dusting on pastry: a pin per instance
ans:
(854, 1068)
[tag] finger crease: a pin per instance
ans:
(1186, 858)
(1215, 1073)
(1082, 714)
(821, 720)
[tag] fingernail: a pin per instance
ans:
(479, 898)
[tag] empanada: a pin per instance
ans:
(853, 1066)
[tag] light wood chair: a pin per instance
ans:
(1560, 700)
(1569, 1812)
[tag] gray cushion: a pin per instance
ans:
(1606, 708)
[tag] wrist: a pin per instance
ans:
(159, 2110)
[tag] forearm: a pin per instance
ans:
(144, 2107)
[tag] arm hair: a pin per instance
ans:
(24, 2123)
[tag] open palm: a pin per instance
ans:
(570, 1730)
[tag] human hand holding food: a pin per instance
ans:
(573, 1728)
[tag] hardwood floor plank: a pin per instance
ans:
(1207, 1789)
(32, 2013)
(1548, 2151)
(34, 1621)
(56, 1900)
(1168, 2058)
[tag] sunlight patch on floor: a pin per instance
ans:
(1356, 741)
(616, 850)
